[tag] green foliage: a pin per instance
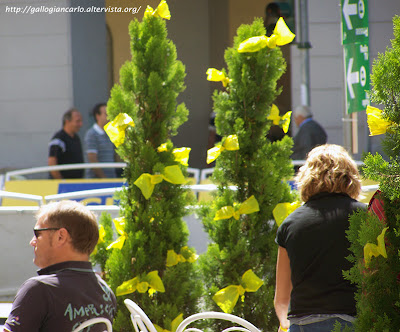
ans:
(258, 168)
(339, 328)
(100, 254)
(386, 173)
(149, 86)
(385, 77)
(378, 306)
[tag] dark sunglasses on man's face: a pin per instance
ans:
(36, 231)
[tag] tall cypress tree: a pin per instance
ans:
(145, 115)
(241, 260)
(374, 236)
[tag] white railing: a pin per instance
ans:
(110, 191)
(196, 188)
(194, 172)
(206, 172)
(9, 194)
(198, 175)
(82, 194)
(64, 167)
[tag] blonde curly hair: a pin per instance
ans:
(328, 168)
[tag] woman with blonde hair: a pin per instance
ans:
(311, 293)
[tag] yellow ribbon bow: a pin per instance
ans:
(151, 282)
(276, 119)
(120, 227)
(162, 11)
(162, 148)
(249, 206)
(102, 234)
(174, 324)
(280, 36)
(230, 143)
(173, 258)
(217, 76)
(227, 298)
(146, 181)
(283, 33)
(282, 210)
(376, 124)
(371, 249)
(116, 129)
(181, 154)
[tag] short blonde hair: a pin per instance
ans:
(77, 219)
(328, 168)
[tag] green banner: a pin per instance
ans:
(356, 60)
(354, 21)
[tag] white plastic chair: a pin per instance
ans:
(205, 172)
(140, 321)
(92, 321)
(245, 326)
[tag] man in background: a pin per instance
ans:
(66, 291)
(65, 146)
(310, 133)
(98, 145)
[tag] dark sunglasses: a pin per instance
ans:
(37, 230)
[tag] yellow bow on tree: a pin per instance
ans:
(174, 324)
(162, 148)
(151, 282)
(230, 143)
(162, 11)
(120, 227)
(227, 298)
(276, 119)
(249, 206)
(371, 249)
(115, 129)
(217, 76)
(102, 234)
(186, 255)
(282, 210)
(146, 182)
(376, 124)
(181, 154)
(280, 36)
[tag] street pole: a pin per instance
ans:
(304, 47)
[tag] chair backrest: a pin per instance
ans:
(140, 321)
(244, 325)
(92, 321)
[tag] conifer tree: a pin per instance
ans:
(144, 115)
(375, 237)
(241, 260)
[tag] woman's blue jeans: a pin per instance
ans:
(323, 326)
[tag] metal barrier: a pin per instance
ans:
(64, 167)
(28, 197)
(194, 172)
(198, 175)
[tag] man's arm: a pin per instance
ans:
(52, 161)
(92, 158)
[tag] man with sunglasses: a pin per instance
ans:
(66, 291)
